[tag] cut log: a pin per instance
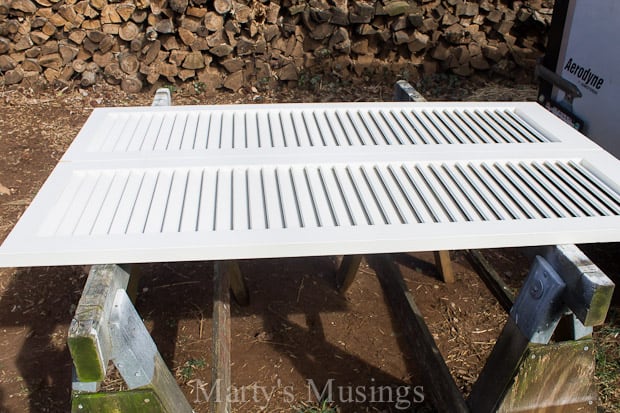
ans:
(49, 29)
(5, 7)
(194, 61)
(185, 74)
(31, 65)
(151, 52)
(177, 57)
(213, 21)
(113, 74)
(77, 36)
(57, 20)
(38, 37)
(90, 46)
(128, 31)
(69, 14)
(5, 45)
(53, 60)
(157, 6)
(68, 53)
(13, 76)
(26, 6)
(178, 6)
(125, 10)
(235, 81)
(233, 64)
(110, 15)
(169, 42)
(165, 26)
(88, 79)
(196, 11)
(243, 13)
(24, 43)
(66, 73)
(136, 44)
(143, 4)
(95, 35)
(108, 43)
(419, 41)
(98, 4)
(131, 84)
(128, 63)
(168, 70)
(78, 65)
(7, 63)
(139, 16)
(103, 59)
(33, 52)
(222, 6)
(187, 37)
(211, 77)
(83, 8)
(151, 34)
(94, 24)
(221, 50)
(92, 67)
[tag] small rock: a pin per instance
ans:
(4, 190)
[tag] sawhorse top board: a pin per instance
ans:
(156, 184)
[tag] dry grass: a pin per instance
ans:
(608, 362)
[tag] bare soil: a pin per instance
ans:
(297, 329)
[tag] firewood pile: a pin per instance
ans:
(236, 43)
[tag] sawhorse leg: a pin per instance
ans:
(107, 327)
(345, 275)
(227, 279)
(524, 371)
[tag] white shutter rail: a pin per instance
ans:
(153, 184)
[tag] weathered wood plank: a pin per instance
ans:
(143, 400)
(136, 357)
(345, 275)
(89, 339)
(220, 403)
(237, 283)
(135, 275)
(444, 266)
(558, 377)
(433, 370)
(499, 370)
(588, 290)
(504, 295)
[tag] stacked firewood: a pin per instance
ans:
(235, 43)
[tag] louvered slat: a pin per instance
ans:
(193, 183)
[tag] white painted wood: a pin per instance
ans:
(154, 184)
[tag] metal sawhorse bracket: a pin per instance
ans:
(106, 326)
(526, 371)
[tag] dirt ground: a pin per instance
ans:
(297, 330)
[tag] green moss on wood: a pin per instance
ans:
(88, 367)
(132, 401)
(599, 306)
